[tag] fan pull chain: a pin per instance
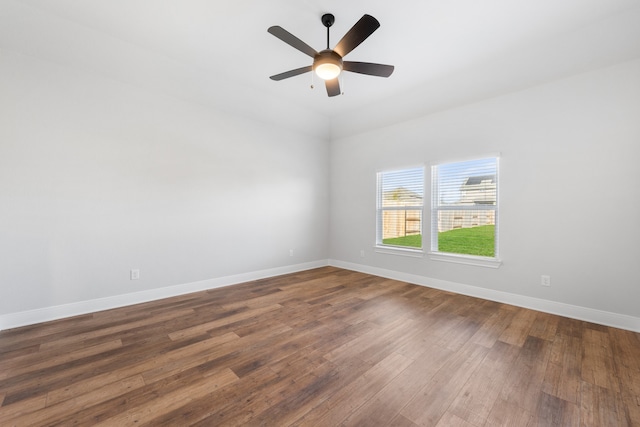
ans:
(342, 83)
(312, 73)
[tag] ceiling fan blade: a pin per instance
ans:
(291, 73)
(333, 87)
(292, 40)
(356, 35)
(380, 70)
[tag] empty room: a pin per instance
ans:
(320, 213)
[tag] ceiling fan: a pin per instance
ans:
(328, 63)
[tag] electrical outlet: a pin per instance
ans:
(362, 253)
(545, 280)
(290, 252)
(135, 274)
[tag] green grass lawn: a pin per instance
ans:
(469, 241)
(414, 241)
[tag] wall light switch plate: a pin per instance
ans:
(135, 274)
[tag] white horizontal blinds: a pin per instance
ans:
(467, 185)
(465, 207)
(400, 203)
(402, 188)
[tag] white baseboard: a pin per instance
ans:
(30, 317)
(14, 320)
(606, 318)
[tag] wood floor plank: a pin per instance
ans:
(524, 384)
(55, 412)
(204, 327)
(597, 360)
(386, 405)
(175, 386)
(625, 346)
(34, 363)
(477, 396)
(119, 326)
(494, 325)
(26, 336)
(122, 369)
(167, 402)
(236, 402)
(508, 413)
(299, 397)
(24, 407)
(563, 375)
(435, 397)
(286, 391)
(544, 326)
(402, 421)
(321, 347)
(460, 335)
(448, 419)
(553, 411)
(41, 382)
(341, 404)
(602, 407)
(518, 330)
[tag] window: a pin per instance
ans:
(464, 208)
(399, 208)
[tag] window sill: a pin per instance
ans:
(397, 250)
(478, 261)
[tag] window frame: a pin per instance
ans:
(398, 249)
(476, 260)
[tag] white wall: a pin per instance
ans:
(98, 177)
(570, 198)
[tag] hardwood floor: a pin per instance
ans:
(325, 347)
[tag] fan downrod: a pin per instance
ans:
(328, 20)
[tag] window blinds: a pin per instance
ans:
(464, 207)
(400, 203)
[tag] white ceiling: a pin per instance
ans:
(219, 52)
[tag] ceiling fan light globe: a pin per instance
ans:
(327, 64)
(328, 71)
